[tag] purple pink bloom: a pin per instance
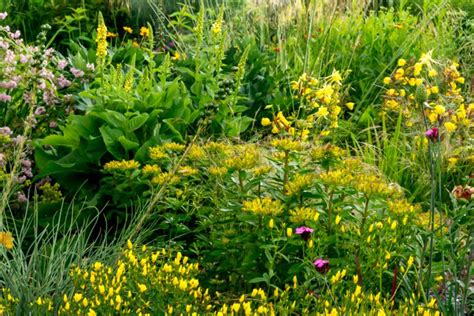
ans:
(304, 232)
(321, 265)
(432, 133)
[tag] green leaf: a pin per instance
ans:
(136, 122)
(128, 144)
(110, 137)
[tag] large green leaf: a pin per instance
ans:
(110, 137)
(136, 122)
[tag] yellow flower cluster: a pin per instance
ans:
(439, 90)
(321, 99)
(265, 206)
(303, 214)
(286, 144)
(115, 165)
(299, 183)
(244, 157)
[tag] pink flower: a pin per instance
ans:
(62, 64)
(77, 72)
(5, 97)
(321, 265)
(304, 232)
(432, 134)
(3, 15)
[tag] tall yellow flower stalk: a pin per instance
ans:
(101, 40)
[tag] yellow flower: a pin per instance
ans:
(387, 80)
(335, 77)
(77, 297)
(176, 56)
(141, 287)
(350, 105)
(401, 62)
(101, 39)
(432, 73)
(6, 239)
(338, 219)
(460, 80)
(434, 89)
(439, 109)
(289, 231)
(121, 165)
(450, 127)
(265, 206)
(417, 69)
(144, 31)
(91, 312)
(128, 29)
(266, 121)
(271, 223)
(322, 112)
(410, 261)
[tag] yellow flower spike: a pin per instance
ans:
(295, 282)
(410, 261)
(101, 40)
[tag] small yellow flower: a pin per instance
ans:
(401, 62)
(289, 231)
(128, 29)
(144, 31)
(6, 239)
(338, 219)
(350, 105)
(450, 127)
(266, 121)
(176, 56)
(387, 80)
(432, 73)
(271, 223)
(141, 287)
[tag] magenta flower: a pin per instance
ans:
(321, 265)
(432, 133)
(304, 232)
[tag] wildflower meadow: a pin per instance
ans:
(250, 157)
